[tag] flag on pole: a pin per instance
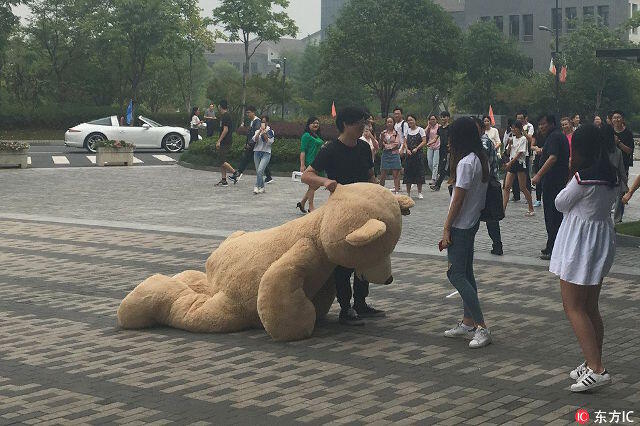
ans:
(552, 67)
(333, 109)
(493, 119)
(563, 74)
(130, 112)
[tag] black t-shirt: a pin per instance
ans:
(626, 138)
(556, 143)
(344, 164)
(225, 120)
(443, 132)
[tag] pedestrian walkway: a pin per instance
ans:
(43, 160)
(64, 362)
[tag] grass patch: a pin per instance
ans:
(32, 135)
(629, 228)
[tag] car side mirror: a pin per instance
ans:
(146, 126)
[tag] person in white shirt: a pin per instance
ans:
(263, 139)
(492, 133)
(470, 176)
(195, 125)
(527, 132)
(516, 167)
(400, 126)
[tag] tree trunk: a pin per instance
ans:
(245, 71)
(190, 81)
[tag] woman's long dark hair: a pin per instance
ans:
(589, 154)
(193, 112)
(464, 138)
(310, 121)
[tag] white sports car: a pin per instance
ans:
(147, 135)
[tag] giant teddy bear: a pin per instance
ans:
(280, 278)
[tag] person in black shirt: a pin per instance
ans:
(223, 146)
(624, 141)
(553, 176)
(443, 162)
(346, 160)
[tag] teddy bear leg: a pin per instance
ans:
(324, 298)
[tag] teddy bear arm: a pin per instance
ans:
(283, 306)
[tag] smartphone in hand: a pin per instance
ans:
(441, 245)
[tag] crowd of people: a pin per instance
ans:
(579, 173)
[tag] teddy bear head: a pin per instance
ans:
(361, 226)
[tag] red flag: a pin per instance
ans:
(563, 74)
(552, 67)
(493, 119)
(333, 109)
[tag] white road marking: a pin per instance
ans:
(29, 161)
(91, 158)
(163, 158)
(136, 160)
(59, 160)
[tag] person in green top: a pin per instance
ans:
(310, 144)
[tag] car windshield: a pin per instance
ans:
(101, 122)
(150, 122)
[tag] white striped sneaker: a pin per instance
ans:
(460, 331)
(481, 338)
(591, 380)
(577, 372)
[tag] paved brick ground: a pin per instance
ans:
(63, 361)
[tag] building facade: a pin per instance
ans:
(520, 19)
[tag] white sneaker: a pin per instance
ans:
(577, 372)
(239, 177)
(256, 190)
(420, 196)
(260, 190)
(481, 338)
(591, 380)
(460, 330)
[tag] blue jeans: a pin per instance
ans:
(460, 273)
(261, 161)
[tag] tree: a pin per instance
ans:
(242, 19)
(488, 58)
(8, 22)
(390, 45)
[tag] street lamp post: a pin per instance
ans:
(284, 74)
(556, 54)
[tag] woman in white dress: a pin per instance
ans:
(584, 249)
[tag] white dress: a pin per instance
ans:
(586, 243)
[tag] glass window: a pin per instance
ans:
(527, 23)
(485, 18)
(101, 122)
(587, 11)
(514, 26)
(571, 15)
(603, 15)
(556, 19)
(499, 20)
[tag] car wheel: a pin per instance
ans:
(91, 140)
(173, 142)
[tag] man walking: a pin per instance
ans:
(553, 176)
(209, 117)
(247, 154)
(624, 141)
(223, 146)
(443, 162)
(346, 160)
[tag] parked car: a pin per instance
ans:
(145, 134)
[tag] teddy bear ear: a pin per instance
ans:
(405, 204)
(367, 233)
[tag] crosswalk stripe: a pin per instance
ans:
(136, 160)
(29, 161)
(163, 158)
(91, 158)
(59, 159)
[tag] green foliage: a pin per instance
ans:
(8, 21)
(630, 228)
(114, 144)
(13, 146)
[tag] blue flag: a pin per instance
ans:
(130, 112)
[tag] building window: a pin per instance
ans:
(514, 26)
(485, 18)
(587, 11)
(254, 68)
(527, 23)
(556, 19)
(499, 20)
(571, 15)
(634, 10)
(603, 15)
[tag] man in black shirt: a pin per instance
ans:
(443, 163)
(624, 141)
(223, 146)
(553, 176)
(346, 160)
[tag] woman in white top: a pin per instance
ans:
(517, 166)
(196, 124)
(263, 138)
(584, 249)
(470, 176)
(369, 137)
(493, 134)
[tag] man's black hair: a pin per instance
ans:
(522, 112)
(350, 115)
(223, 104)
(251, 108)
(550, 118)
(445, 114)
(398, 109)
(617, 111)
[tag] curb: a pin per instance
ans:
(217, 169)
(627, 240)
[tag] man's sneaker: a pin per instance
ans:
(545, 257)
(234, 178)
(366, 311)
(591, 380)
(497, 252)
(260, 190)
(239, 177)
(268, 180)
(223, 182)
(537, 203)
(460, 330)
(420, 196)
(350, 317)
(256, 190)
(481, 339)
(577, 372)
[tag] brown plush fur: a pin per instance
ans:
(280, 278)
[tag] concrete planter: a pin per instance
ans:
(14, 158)
(114, 156)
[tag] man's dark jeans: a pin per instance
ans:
(247, 159)
(210, 124)
(493, 228)
(342, 276)
(552, 217)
